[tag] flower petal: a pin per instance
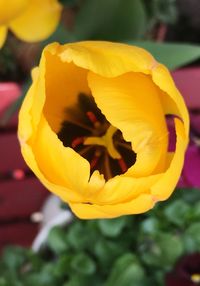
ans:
(131, 103)
(11, 9)
(25, 131)
(166, 185)
(72, 81)
(106, 58)
(3, 34)
(38, 21)
(123, 189)
(61, 165)
(141, 204)
(163, 80)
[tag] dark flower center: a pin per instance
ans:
(87, 131)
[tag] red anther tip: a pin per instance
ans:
(77, 141)
(122, 165)
(91, 116)
(18, 174)
(94, 160)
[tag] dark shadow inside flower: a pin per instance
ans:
(171, 131)
(83, 130)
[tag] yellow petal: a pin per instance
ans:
(11, 9)
(65, 81)
(25, 131)
(141, 204)
(61, 165)
(3, 34)
(131, 103)
(95, 185)
(163, 79)
(166, 184)
(123, 189)
(38, 21)
(106, 58)
(63, 192)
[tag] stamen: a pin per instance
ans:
(87, 131)
(80, 124)
(108, 173)
(125, 145)
(85, 150)
(77, 141)
(95, 159)
(122, 165)
(93, 118)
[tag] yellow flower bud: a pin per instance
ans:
(93, 128)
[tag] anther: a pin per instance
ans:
(95, 159)
(122, 165)
(93, 119)
(77, 141)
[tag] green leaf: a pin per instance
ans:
(150, 225)
(191, 238)
(43, 278)
(14, 257)
(191, 196)
(112, 227)
(83, 264)
(80, 236)
(62, 266)
(163, 249)
(177, 212)
(165, 10)
(110, 20)
(173, 55)
(57, 240)
(126, 271)
(107, 252)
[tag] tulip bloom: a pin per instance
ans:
(29, 20)
(93, 128)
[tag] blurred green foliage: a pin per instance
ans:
(130, 250)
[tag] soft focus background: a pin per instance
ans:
(158, 248)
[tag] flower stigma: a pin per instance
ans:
(88, 132)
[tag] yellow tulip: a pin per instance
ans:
(29, 20)
(93, 128)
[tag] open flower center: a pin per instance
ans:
(87, 131)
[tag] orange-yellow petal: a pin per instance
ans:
(72, 81)
(141, 204)
(61, 165)
(38, 21)
(175, 104)
(25, 132)
(11, 9)
(107, 59)
(167, 183)
(131, 103)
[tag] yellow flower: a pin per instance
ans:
(93, 128)
(29, 20)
